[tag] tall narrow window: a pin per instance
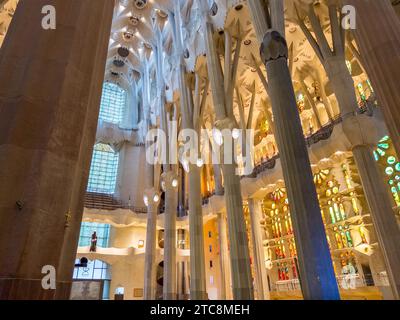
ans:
(103, 171)
(113, 103)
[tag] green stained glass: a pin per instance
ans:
(381, 152)
(389, 171)
(391, 160)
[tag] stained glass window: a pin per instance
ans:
(361, 92)
(385, 155)
(104, 169)
(113, 103)
(349, 66)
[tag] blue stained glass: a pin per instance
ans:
(113, 103)
(103, 170)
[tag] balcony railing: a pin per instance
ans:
(108, 202)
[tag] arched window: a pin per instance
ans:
(113, 103)
(104, 169)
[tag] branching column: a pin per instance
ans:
(197, 258)
(378, 40)
(361, 132)
(151, 199)
(50, 88)
(242, 286)
(170, 181)
(258, 249)
(316, 271)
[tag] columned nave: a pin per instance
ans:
(202, 150)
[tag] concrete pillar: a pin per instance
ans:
(150, 266)
(181, 272)
(258, 250)
(226, 291)
(382, 214)
(219, 188)
(242, 286)
(170, 181)
(56, 76)
(316, 271)
(378, 40)
(361, 131)
(197, 259)
(318, 279)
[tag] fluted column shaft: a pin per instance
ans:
(316, 271)
(150, 267)
(382, 214)
(258, 250)
(226, 292)
(50, 84)
(171, 204)
(197, 258)
(242, 285)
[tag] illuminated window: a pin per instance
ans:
(301, 102)
(349, 66)
(361, 92)
(102, 231)
(386, 157)
(103, 171)
(95, 270)
(113, 103)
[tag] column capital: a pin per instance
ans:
(273, 47)
(361, 130)
(225, 124)
(151, 197)
(169, 180)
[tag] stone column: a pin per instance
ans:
(170, 181)
(242, 286)
(361, 131)
(181, 266)
(316, 270)
(382, 214)
(258, 250)
(219, 188)
(152, 199)
(226, 291)
(318, 279)
(378, 40)
(197, 258)
(75, 215)
(50, 84)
